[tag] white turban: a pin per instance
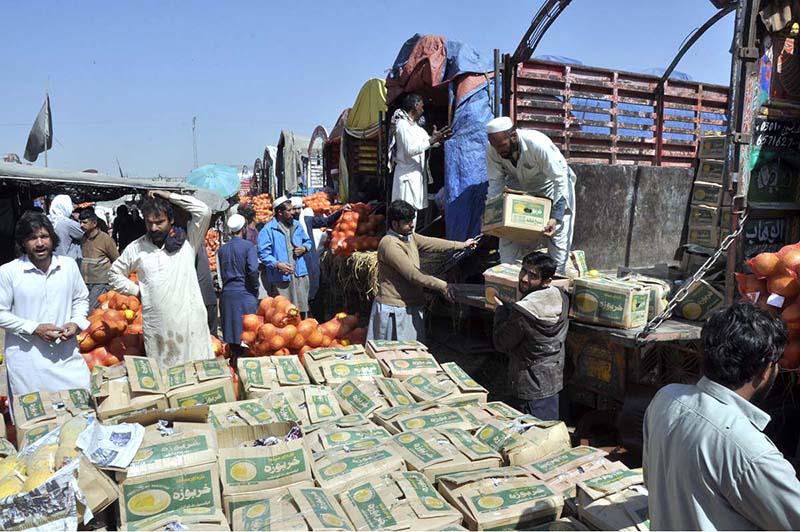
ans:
(499, 124)
(297, 201)
(236, 222)
(279, 201)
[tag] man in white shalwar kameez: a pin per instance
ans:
(411, 174)
(173, 313)
(43, 306)
(527, 160)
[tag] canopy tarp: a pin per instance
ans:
(362, 121)
(289, 168)
(85, 186)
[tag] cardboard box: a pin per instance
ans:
(232, 502)
(198, 518)
(623, 510)
(394, 392)
(462, 380)
(379, 346)
(576, 265)
(404, 364)
(303, 509)
(659, 292)
(122, 402)
(313, 359)
(169, 490)
(537, 440)
(144, 376)
(337, 368)
(452, 485)
(359, 397)
(358, 438)
(515, 216)
(707, 237)
(509, 504)
(97, 487)
(270, 373)
(566, 483)
(699, 302)
(430, 388)
(7, 448)
(439, 417)
(205, 393)
(712, 147)
(438, 452)
(245, 468)
(337, 470)
(561, 462)
(404, 500)
(704, 216)
(609, 302)
(38, 407)
(28, 435)
(710, 170)
(709, 194)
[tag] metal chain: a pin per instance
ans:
(681, 294)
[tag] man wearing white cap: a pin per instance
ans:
(237, 264)
(282, 245)
(527, 160)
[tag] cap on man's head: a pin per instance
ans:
(499, 124)
(279, 201)
(297, 201)
(236, 222)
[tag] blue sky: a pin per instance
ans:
(126, 77)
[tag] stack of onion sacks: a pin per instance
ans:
(357, 230)
(318, 202)
(777, 274)
(276, 330)
(212, 246)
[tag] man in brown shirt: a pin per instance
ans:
(397, 312)
(99, 252)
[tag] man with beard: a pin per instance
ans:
(527, 160)
(173, 314)
(532, 333)
(43, 305)
(707, 463)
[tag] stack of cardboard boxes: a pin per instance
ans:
(709, 215)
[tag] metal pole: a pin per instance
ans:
(496, 106)
(47, 120)
(194, 139)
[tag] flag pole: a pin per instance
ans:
(46, 119)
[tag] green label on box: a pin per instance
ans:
(503, 410)
(346, 371)
(213, 396)
(393, 345)
(427, 388)
(351, 436)
(323, 508)
(493, 213)
(35, 433)
(545, 467)
(32, 406)
(160, 451)
(610, 478)
(420, 448)
(327, 352)
(412, 364)
(498, 500)
(596, 302)
(256, 515)
(147, 378)
(371, 507)
(177, 376)
(477, 448)
(80, 399)
(151, 497)
(346, 465)
(395, 394)
(290, 371)
(425, 492)
(255, 410)
(432, 420)
(252, 373)
(527, 212)
(462, 378)
(259, 469)
(492, 437)
(701, 300)
(353, 396)
(321, 406)
(213, 368)
(282, 410)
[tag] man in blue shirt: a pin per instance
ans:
(282, 245)
(707, 463)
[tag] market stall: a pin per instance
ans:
(290, 163)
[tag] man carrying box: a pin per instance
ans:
(527, 160)
(532, 333)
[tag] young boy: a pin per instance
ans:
(532, 333)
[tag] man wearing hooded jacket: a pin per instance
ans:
(532, 333)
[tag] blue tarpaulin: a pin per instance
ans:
(465, 151)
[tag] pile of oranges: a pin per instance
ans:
(262, 204)
(357, 230)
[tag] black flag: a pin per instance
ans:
(41, 136)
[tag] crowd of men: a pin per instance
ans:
(707, 462)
